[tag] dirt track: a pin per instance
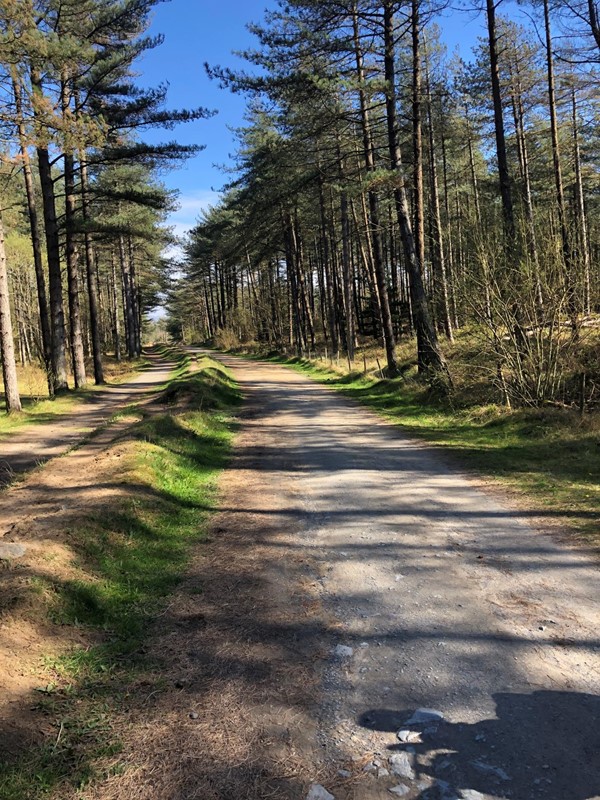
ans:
(448, 600)
(337, 530)
(35, 444)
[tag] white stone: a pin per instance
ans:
(318, 792)
(422, 715)
(401, 765)
(342, 651)
(400, 790)
(11, 550)
(407, 736)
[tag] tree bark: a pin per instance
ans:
(374, 224)
(114, 298)
(417, 126)
(34, 225)
(77, 353)
(503, 173)
(582, 225)
(76, 338)
(347, 274)
(136, 300)
(7, 345)
(128, 309)
(92, 279)
(438, 242)
(57, 313)
(558, 181)
(55, 287)
(429, 353)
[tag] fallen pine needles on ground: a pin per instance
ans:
(106, 581)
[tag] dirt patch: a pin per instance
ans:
(41, 513)
(235, 715)
(26, 449)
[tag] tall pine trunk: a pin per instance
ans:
(582, 225)
(436, 219)
(114, 301)
(92, 279)
(34, 226)
(503, 173)
(417, 128)
(128, 306)
(75, 333)
(374, 223)
(430, 356)
(55, 286)
(7, 345)
(569, 277)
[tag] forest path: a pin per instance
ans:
(36, 443)
(404, 585)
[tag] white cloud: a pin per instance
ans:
(191, 206)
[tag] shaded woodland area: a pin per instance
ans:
(83, 210)
(387, 192)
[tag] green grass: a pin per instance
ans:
(550, 456)
(132, 557)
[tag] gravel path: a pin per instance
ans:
(439, 596)
(36, 443)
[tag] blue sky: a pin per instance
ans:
(204, 30)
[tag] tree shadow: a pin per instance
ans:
(545, 744)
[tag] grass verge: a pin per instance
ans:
(129, 554)
(550, 457)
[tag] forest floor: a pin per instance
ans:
(350, 577)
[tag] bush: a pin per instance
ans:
(226, 339)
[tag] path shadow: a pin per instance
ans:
(540, 745)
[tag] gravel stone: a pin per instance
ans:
(407, 736)
(318, 792)
(489, 769)
(10, 550)
(400, 790)
(402, 765)
(342, 651)
(423, 715)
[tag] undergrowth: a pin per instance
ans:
(131, 557)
